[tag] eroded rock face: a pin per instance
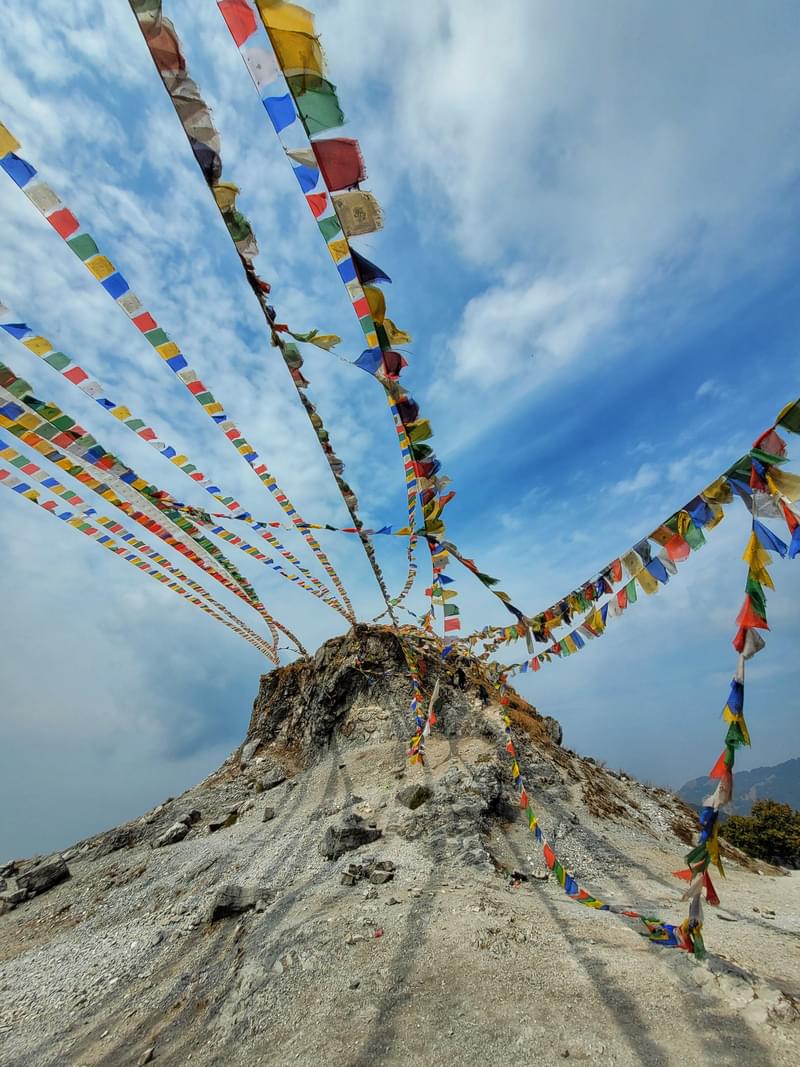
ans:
(356, 689)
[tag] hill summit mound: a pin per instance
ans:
(318, 898)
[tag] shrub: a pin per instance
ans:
(771, 832)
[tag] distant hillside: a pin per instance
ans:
(781, 783)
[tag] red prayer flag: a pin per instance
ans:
(63, 222)
(239, 19)
(317, 202)
(720, 767)
(523, 799)
(340, 162)
(549, 856)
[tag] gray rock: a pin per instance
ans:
(269, 813)
(224, 822)
(385, 865)
(413, 796)
(172, 836)
(553, 727)
(8, 869)
(43, 877)
(236, 899)
(272, 779)
(248, 751)
(379, 877)
(191, 817)
(2, 884)
(146, 1056)
(352, 833)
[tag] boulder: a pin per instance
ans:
(413, 796)
(172, 836)
(223, 823)
(236, 899)
(271, 779)
(553, 727)
(191, 817)
(352, 833)
(269, 813)
(248, 751)
(43, 877)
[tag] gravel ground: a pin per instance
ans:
(452, 961)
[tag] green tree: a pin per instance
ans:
(771, 832)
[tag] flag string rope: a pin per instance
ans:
(14, 484)
(77, 376)
(85, 512)
(83, 245)
(203, 138)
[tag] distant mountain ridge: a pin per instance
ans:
(781, 783)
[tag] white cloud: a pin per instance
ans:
(645, 478)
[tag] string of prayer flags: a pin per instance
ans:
(765, 457)
(684, 936)
(84, 511)
(340, 215)
(66, 224)
(98, 533)
(320, 167)
(299, 48)
(77, 376)
(22, 414)
(652, 561)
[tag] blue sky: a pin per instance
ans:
(591, 220)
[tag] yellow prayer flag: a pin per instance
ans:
(647, 581)
(225, 195)
(284, 16)
(371, 339)
(121, 412)
(720, 491)
(8, 142)
(100, 266)
(326, 341)
(338, 249)
(376, 301)
(785, 483)
(297, 51)
(396, 337)
(168, 350)
(214, 409)
(40, 346)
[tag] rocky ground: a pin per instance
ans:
(319, 900)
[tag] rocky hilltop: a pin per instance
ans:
(319, 899)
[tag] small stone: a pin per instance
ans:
(392, 900)
(269, 813)
(385, 865)
(172, 836)
(224, 823)
(371, 893)
(413, 796)
(146, 1056)
(355, 984)
(347, 879)
(191, 817)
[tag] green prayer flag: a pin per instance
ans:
(57, 360)
(630, 589)
(329, 227)
(157, 337)
(83, 246)
(789, 418)
(757, 596)
(694, 537)
(319, 107)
